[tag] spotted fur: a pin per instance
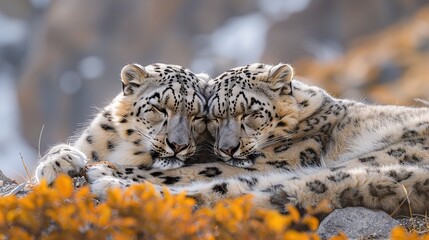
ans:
(154, 122)
(286, 142)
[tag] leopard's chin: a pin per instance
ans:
(245, 161)
(167, 163)
(240, 162)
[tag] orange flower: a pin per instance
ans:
(139, 212)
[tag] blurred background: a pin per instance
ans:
(61, 59)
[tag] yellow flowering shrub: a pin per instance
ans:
(60, 212)
(400, 233)
(138, 212)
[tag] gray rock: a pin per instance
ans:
(6, 184)
(357, 223)
(6, 180)
(11, 187)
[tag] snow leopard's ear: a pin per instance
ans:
(132, 76)
(280, 76)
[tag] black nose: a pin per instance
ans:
(176, 147)
(230, 151)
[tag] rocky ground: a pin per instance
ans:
(355, 222)
(8, 186)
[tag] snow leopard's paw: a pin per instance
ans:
(61, 159)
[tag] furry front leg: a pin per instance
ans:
(388, 188)
(61, 159)
(396, 189)
(101, 185)
(208, 193)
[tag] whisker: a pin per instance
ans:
(268, 140)
(148, 137)
(140, 132)
(271, 142)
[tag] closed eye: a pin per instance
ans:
(215, 120)
(159, 109)
(250, 114)
(196, 118)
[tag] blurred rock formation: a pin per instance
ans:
(73, 51)
(389, 67)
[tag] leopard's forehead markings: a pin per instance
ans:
(231, 90)
(177, 86)
(243, 74)
(170, 74)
